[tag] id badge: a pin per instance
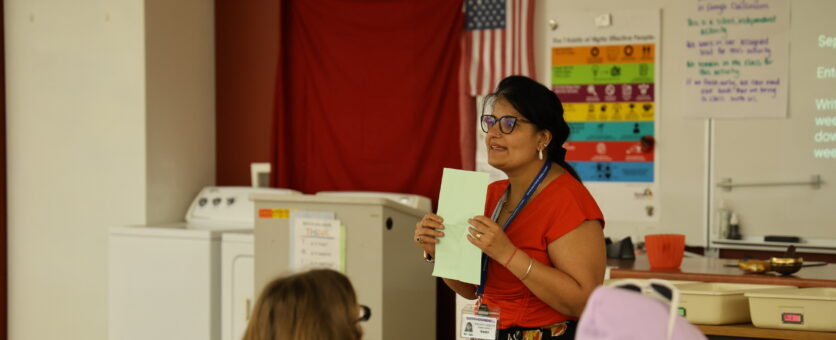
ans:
(479, 322)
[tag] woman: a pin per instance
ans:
(542, 268)
(315, 305)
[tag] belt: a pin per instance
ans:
(538, 333)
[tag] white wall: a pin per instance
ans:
(86, 152)
(681, 142)
(180, 99)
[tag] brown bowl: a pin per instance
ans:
(786, 265)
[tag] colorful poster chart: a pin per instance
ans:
(605, 73)
(608, 95)
(736, 58)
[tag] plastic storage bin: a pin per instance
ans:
(718, 303)
(812, 309)
(676, 283)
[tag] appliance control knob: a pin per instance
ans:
(202, 201)
(216, 201)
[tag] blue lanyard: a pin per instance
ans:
(531, 189)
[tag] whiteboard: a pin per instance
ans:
(699, 152)
(786, 150)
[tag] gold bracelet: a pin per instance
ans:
(530, 263)
(511, 258)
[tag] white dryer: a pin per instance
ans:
(165, 280)
(411, 200)
(237, 283)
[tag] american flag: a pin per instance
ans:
(498, 41)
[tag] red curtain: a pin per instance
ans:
(368, 95)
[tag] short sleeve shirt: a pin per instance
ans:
(559, 208)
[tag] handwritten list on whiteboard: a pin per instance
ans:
(736, 58)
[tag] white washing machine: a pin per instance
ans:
(165, 280)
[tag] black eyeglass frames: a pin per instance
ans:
(365, 313)
(506, 123)
(660, 289)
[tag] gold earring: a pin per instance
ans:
(540, 154)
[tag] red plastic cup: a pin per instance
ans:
(665, 250)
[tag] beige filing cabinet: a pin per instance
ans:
(384, 265)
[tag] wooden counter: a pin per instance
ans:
(749, 331)
(714, 270)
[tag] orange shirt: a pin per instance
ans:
(559, 208)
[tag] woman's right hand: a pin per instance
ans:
(427, 232)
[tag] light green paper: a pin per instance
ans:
(462, 197)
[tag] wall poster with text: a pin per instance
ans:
(736, 58)
(604, 71)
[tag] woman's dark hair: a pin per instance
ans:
(541, 106)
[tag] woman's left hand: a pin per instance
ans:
(489, 236)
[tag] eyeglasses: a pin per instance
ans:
(659, 289)
(506, 123)
(365, 313)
